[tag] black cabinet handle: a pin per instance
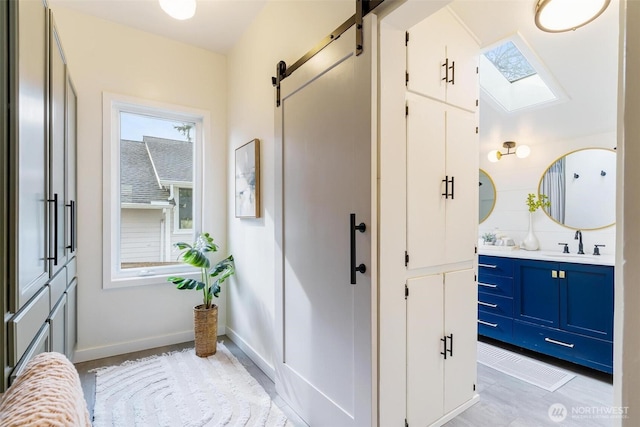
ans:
(450, 336)
(453, 72)
(361, 228)
(447, 348)
(446, 71)
(54, 258)
(448, 181)
(72, 223)
(444, 351)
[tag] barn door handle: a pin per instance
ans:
(361, 228)
(54, 258)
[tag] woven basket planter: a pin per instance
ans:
(205, 322)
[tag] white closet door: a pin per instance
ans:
(463, 50)
(426, 54)
(462, 164)
(425, 364)
(426, 206)
(460, 321)
(324, 367)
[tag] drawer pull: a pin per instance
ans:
(564, 344)
(487, 265)
(493, 325)
(486, 304)
(487, 285)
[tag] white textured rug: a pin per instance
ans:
(537, 373)
(182, 389)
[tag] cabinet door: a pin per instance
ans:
(460, 324)
(537, 292)
(425, 171)
(71, 237)
(426, 54)
(57, 152)
(586, 300)
(462, 167)
(28, 80)
(57, 327)
(462, 55)
(71, 322)
(425, 363)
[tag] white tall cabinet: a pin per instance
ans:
(39, 274)
(442, 199)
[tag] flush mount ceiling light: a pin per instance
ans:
(557, 16)
(521, 152)
(179, 9)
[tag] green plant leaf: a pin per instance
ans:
(185, 283)
(196, 258)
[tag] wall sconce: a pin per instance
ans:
(179, 9)
(521, 152)
(557, 16)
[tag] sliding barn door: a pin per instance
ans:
(324, 173)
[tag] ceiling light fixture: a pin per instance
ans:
(179, 9)
(521, 152)
(557, 16)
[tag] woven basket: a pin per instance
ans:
(205, 322)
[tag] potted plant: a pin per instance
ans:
(205, 315)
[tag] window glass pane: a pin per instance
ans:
(185, 209)
(510, 62)
(156, 161)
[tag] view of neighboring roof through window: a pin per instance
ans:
(510, 62)
(514, 78)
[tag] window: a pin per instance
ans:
(514, 78)
(151, 182)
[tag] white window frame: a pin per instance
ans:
(112, 105)
(176, 214)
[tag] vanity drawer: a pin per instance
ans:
(591, 352)
(495, 266)
(495, 304)
(496, 285)
(494, 326)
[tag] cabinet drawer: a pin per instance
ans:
(71, 270)
(496, 285)
(40, 345)
(495, 304)
(494, 326)
(495, 266)
(579, 349)
(57, 285)
(24, 326)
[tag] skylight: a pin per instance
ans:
(510, 62)
(514, 78)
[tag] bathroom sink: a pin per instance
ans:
(584, 259)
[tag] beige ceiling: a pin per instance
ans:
(216, 26)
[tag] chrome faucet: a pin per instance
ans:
(579, 238)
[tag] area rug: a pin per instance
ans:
(182, 389)
(531, 371)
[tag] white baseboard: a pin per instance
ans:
(260, 361)
(86, 354)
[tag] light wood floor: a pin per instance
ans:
(504, 401)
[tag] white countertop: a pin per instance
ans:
(556, 256)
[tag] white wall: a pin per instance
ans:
(515, 178)
(285, 30)
(104, 56)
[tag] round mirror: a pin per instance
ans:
(487, 197)
(581, 187)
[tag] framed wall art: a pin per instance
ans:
(247, 175)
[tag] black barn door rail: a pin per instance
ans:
(363, 7)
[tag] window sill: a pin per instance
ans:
(158, 278)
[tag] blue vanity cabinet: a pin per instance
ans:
(565, 310)
(495, 297)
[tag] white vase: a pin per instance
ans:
(530, 242)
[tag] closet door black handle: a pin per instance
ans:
(54, 258)
(448, 181)
(450, 350)
(446, 70)
(453, 72)
(72, 225)
(444, 351)
(361, 228)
